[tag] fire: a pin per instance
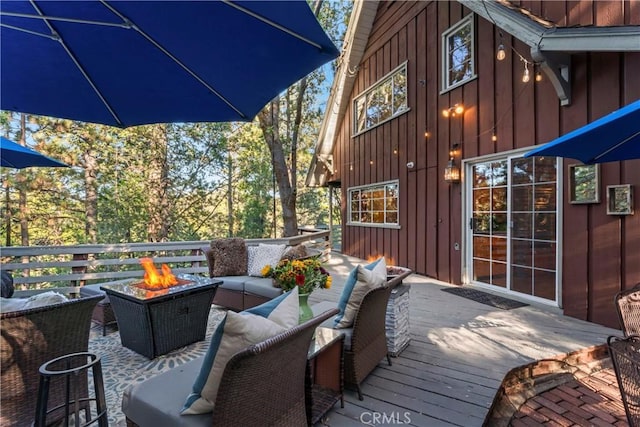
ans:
(388, 260)
(157, 280)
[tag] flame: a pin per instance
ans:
(388, 260)
(154, 279)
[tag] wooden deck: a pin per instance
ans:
(459, 353)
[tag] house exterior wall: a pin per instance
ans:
(601, 253)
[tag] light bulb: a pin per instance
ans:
(494, 137)
(538, 76)
(526, 77)
(445, 113)
(501, 54)
(458, 109)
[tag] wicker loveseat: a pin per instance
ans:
(30, 338)
(262, 385)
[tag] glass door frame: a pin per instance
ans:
(467, 214)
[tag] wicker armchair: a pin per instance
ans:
(369, 337)
(30, 338)
(262, 385)
(625, 354)
(628, 307)
(265, 383)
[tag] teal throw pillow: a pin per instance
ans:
(352, 278)
(366, 281)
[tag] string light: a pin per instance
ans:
(494, 137)
(501, 54)
(526, 77)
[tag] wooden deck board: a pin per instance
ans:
(459, 353)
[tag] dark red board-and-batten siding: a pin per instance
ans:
(601, 253)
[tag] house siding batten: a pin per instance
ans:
(600, 253)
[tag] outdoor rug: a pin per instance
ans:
(485, 298)
(122, 367)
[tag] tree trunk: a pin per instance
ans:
(23, 209)
(91, 195)
(270, 125)
(158, 203)
(229, 193)
(286, 178)
(7, 213)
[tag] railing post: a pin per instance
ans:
(79, 270)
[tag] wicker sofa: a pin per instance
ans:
(240, 292)
(262, 385)
(30, 338)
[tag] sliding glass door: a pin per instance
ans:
(512, 230)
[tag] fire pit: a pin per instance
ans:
(155, 319)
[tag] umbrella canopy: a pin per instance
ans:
(14, 155)
(125, 63)
(611, 138)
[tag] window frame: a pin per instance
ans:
(371, 89)
(372, 187)
(446, 84)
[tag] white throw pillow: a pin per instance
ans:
(252, 251)
(366, 281)
(261, 255)
(235, 332)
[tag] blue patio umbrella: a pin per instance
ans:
(14, 155)
(613, 137)
(125, 63)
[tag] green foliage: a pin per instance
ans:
(199, 180)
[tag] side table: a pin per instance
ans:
(324, 383)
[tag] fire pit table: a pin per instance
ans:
(155, 322)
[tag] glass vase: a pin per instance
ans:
(305, 312)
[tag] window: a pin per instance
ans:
(374, 204)
(383, 101)
(458, 56)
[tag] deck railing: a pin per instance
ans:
(67, 267)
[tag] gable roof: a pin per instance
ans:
(550, 45)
